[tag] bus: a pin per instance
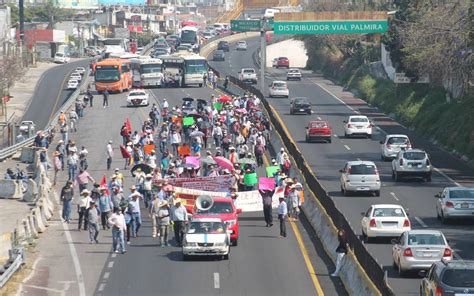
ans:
(113, 75)
(189, 35)
(147, 71)
(184, 69)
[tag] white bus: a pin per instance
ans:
(189, 35)
(184, 69)
(147, 72)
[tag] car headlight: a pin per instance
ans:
(219, 244)
(190, 244)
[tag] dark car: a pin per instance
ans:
(219, 55)
(449, 278)
(224, 45)
(300, 105)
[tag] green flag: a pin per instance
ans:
(250, 179)
(271, 170)
(188, 121)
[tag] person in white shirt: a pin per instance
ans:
(165, 104)
(281, 157)
(117, 221)
(110, 154)
(282, 213)
(82, 206)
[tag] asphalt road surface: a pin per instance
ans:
(262, 263)
(326, 159)
(50, 94)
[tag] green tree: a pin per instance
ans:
(48, 12)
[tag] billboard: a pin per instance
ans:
(125, 2)
(79, 4)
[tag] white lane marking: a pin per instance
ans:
(101, 287)
(217, 284)
(423, 224)
(319, 118)
(106, 275)
(75, 260)
(336, 136)
(111, 264)
(358, 159)
(394, 196)
(347, 147)
(382, 131)
(114, 255)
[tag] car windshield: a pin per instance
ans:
(461, 194)
(294, 71)
(462, 278)
(301, 102)
(248, 71)
(135, 94)
(362, 169)
(319, 125)
(414, 155)
(282, 58)
(150, 68)
(279, 84)
(206, 227)
(388, 212)
(397, 140)
(419, 239)
(219, 208)
(58, 54)
(107, 74)
(359, 119)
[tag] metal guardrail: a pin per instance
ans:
(10, 151)
(17, 262)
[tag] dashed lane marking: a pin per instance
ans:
(106, 275)
(217, 284)
(423, 224)
(101, 287)
(394, 196)
(347, 147)
(75, 260)
(111, 264)
(114, 255)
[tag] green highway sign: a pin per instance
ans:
(245, 25)
(331, 27)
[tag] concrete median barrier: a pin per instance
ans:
(28, 154)
(31, 226)
(46, 212)
(8, 188)
(38, 220)
(32, 191)
(5, 246)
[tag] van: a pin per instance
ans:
(61, 58)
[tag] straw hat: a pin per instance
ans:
(85, 192)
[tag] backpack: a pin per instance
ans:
(287, 164)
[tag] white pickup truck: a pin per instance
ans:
(248, 75)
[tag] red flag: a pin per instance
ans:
(128, 125)
(125, 153)
(103, 184)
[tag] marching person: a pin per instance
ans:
(57, 165)
(341, 250)
(154, 209)
(134, 208)
(282, 213)
(67, 194)
(82, 180)
(82, 207)
(117, 221)
(105, 102)
(164, 222)
(267, 206)
(110, 154)
(93, 220)
(179, 217)
(105, 207)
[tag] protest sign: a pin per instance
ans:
(271, 170)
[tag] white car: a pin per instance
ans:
(241, 45)
(80, 70)
(360, 177)
(76, 76)
(278, 89)
(61, 58)
(137, 97)
(206, 237)
(358, 125)
(384, 220)
(394, 144)
(72, 84)
(419, 249)
(274, 62)
(27, 125)
(248, 75)
(411, 163)
(293, 74)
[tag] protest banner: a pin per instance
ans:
(217, 184)
(251, 201)
(271, 170)
(266, 183)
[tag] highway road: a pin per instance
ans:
(262, 263)
(327, 159)
(50, 94)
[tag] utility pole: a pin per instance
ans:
(21, 15)
(263, 53)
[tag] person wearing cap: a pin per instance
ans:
(95, 192)
(109, 151)
(92, 215)
(154, 208)
(67, 195)
(179, 216)
(233, 155)
(119, 175)
(105, 206)
(119, 226)
(134, 208)
(114, 182)
(293, 203)
(83, 164)
(61, 149)
(82, 207)
(281, 157)
(282, 213)
(117, 197)
(57, 165)
(164, 222)
(151, 159)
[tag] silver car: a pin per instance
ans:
(455, 202)
(394, 144)
(411, 163)
(419, 249)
